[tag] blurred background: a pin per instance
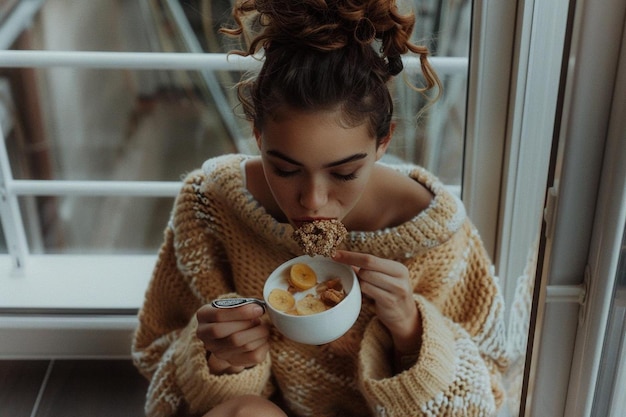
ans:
(156, 125)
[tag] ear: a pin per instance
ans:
(257, 136)
(384, 142)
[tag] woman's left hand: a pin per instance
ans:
(387, 283)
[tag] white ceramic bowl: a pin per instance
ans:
(323, 327)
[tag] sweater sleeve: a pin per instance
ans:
(167, 351)
(449, 377)
(463, 353)
(165, 348)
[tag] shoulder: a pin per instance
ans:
(215, 168)
(217, 179)
(218, 174)
(229, 164)
(429, 221)
(403, 196)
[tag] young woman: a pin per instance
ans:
(430, 338)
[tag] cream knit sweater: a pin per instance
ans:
(220, 241)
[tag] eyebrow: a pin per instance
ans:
(351, 158)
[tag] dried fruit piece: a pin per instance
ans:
(281, 300)
(302, 277)
(309, 305)
(331, 297)
(334, 283)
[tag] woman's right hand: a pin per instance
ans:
(234, 338)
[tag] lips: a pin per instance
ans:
(302, 220)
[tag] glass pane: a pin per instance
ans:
(6, 7)
(90, 124)
(3, 242)
(101, 132)
(436, 142)
(609, 396)
(85, 225)
(7, 125)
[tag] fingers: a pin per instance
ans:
(219, 366)
(236, 326)
(384, 281)
(236, 337)
(210, 314)
(217, 323)
(376, 273)
(365, 261)
(388, 283)
(241, 341)
(245, 356)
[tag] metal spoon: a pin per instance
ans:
(237, 302)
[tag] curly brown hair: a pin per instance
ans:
(326, 54)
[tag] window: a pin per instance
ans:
(153, 125)
(115, 121)
(100, 120)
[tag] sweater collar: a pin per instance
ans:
(430, 228)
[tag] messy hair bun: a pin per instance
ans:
(360, 41)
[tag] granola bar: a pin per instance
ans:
(320, 237)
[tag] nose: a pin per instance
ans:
(313, 195)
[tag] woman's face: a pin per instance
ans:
(315, 167)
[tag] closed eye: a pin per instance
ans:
(346, 177)
(284, 173)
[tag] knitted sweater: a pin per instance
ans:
(221, 241)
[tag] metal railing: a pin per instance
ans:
(11, 189)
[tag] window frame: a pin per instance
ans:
(585, 201)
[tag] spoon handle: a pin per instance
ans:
(237, 302)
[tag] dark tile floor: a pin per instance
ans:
(71, 388)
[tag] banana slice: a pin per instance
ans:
(281, 300)
(309, 305)
(302, 276)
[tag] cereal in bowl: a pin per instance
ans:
(296, 299)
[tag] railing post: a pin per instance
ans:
(17, 21)
(10, 215)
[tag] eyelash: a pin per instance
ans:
(286, 174)
(348, 177)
